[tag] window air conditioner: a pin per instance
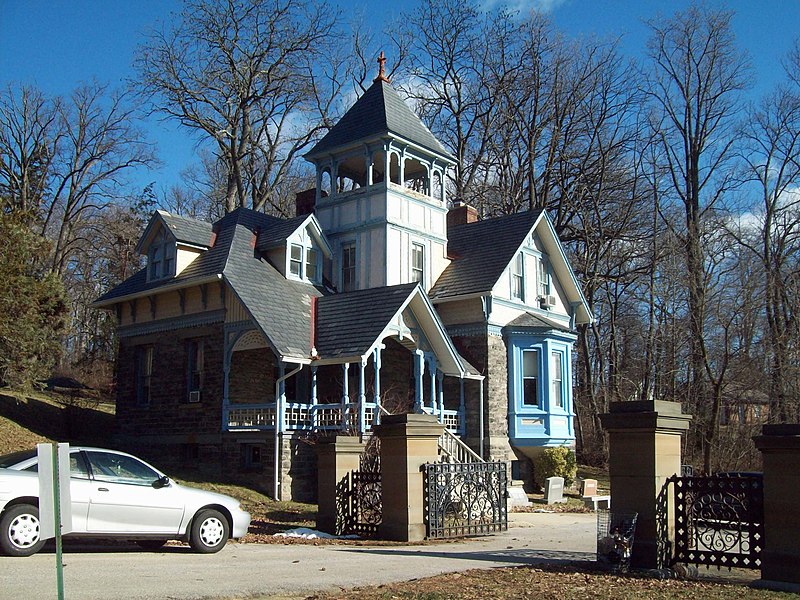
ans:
(547, 301)
(194, 397)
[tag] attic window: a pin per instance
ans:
(304, 263)
(518, 278)
(161, 258)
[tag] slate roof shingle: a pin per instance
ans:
(349, 323)
(191, 231)
(281, 308)
(379, 111)
(481, 251)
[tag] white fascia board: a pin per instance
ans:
(573, 280)
(157, 290)
(472, 296)
(319, 234)
(144, 240)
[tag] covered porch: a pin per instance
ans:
(378, 366)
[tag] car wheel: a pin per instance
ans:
(209, 531)
(19, 530)
(151, 545)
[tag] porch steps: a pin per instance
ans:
(452, 449)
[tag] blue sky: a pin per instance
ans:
(56, 44)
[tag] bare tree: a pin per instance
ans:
(771, 153)
(697, 74)
(30, 130)
(257, 79)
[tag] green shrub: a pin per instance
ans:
(555, 462)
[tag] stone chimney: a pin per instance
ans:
(461, 214)
(304, 202)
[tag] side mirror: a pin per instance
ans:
(161, 482)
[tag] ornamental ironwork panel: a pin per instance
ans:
(719, 520)
(464, 499)
(358, 504)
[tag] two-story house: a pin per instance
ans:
(242, 340)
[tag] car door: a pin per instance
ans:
(125, 497)
(80, 488)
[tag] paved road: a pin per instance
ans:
(242, 570)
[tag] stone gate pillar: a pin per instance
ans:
(336, 457)
(644, 450)
(407, 443)
(780, 556)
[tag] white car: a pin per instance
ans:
(116, 495)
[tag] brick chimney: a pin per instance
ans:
(461, 214)
(304, 202)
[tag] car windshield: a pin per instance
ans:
(9, 460)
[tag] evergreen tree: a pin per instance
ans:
(32, 304)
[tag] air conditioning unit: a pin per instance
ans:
(194, 397)
(547, 301)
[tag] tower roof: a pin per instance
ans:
(378, 112)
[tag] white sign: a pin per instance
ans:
(50, 481)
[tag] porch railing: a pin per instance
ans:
(299, 416)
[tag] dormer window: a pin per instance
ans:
(304, 263)
(161, 258)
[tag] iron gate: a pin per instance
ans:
(719, 520)
(359, 506)
(463, 499)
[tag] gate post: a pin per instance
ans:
(336, 458)
(644, 440)
(780, 554)
(407, 443)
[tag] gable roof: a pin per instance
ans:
(352, 324)
(481, 252)
(186, 230)
(378, 112)
(280, 308)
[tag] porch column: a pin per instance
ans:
(362, 398)
(644, 440)
(345, 394)
(432, 371)
(461, 407)
(280, 407)
(314, 400)
(439, 377)
(407, 443)
(780, 555)
(369, 157)
(226, 379)
(419, 371)
(376, 359)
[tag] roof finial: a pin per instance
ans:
(382, 69)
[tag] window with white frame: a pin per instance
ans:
(304, 262)
(312, 264)
(296, 260)
(418, 262)
(557, 379)
(543, 278)
(518, 278)
(348, 266)
(161, 258)
(530, 377)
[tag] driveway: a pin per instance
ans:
(241, 570)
